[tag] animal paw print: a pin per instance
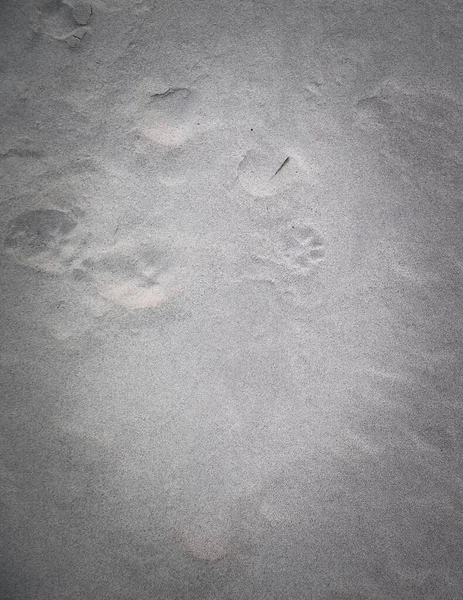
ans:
(267, 170)
(39, 239)
(303, 247)
(132, 278)
(126, 274)
(66, 20)
(168, 119)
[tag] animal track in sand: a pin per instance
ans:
(169, 119)
(127, 274)
(82, 13)
(293, 253)
(131, 277)
(266, 170)
(302, 246)
(38, 238)
(65, 20)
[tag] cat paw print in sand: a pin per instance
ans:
(294, 253)
(129, 276)
(125, 274)
(294, 250)
(302, 246)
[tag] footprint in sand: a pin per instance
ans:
(65, 20)
(168, 118)
(265, 171)
(129, 276)
(125, 274)
(302, 246)
(293, 254)
(38, 238)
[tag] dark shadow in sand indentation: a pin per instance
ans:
(37, 230)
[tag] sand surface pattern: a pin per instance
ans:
(231, 297)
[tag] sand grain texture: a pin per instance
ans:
(231, 288)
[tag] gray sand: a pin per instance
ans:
(231, 300)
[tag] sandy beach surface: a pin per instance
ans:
(231, 298)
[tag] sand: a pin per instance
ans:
(231, 300)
